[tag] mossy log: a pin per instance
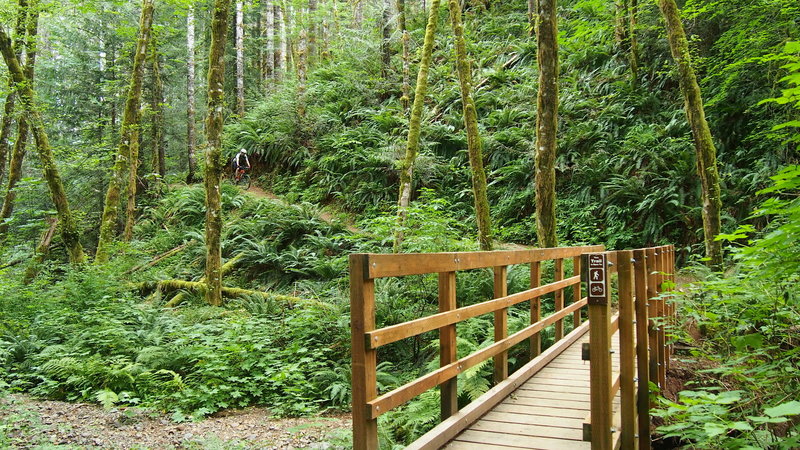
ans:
(180, 297)
(200, 287)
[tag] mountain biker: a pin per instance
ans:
(240, 161)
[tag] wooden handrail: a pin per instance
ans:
(641, 293)
(394, 333)
(397, 397)
(366, 339)
(382, 265)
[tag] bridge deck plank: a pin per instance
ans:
(545, 412)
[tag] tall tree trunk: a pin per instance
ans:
(240, 57)
(191, 136)
(533, 15)
(471, 125)
(69, 232)
(386, 34)
(311, 51)
(8, 113)
(546, 123)
(269, 34)
(634, 43)
(620, 25)
(286, 26)
(128, 138)
(401, 26)
(703, 143)
(279, 36)
(213, 173)
(25, 36)
(414, 125)
(358, 14)
(159, 164)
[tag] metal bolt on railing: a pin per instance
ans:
(613, 429)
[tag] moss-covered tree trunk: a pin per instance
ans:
(191, 133)
(129, 137)
(240, 57)
(533, 15)
(8, 108)
(703, 143)
(159, 163)
(313, 34)
(69, 232)
(278, 37)
(26, 31)
(546, 123)
(471, 125)
(213, 172)
(633, 15)
(415, 125)
(404, 36)
(386, 35)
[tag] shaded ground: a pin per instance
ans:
(31, 423)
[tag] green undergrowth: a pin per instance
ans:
(747, 320)
(95, 333)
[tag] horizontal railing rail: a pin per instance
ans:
(366, 339)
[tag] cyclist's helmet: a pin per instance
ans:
(243, 151)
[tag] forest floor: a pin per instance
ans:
(26, 422)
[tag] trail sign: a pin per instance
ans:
(597, 278)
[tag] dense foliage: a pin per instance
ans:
(626, 177)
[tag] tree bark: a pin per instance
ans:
(401, 26)
(191, 134)
(471, 125)
(415, 125)
(634, 43)
(8, 113)
(620, 25)
(533, 16)
(240, 58)
(159, 164)
(703, 142)
(128, 139)
(279, 36)
(546, 123)
(69, 232)
(27, 30)
(386, 34)
(311, 56)
(213, 172)
(269, 34)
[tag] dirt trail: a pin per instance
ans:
(324, 215)
(29, 423)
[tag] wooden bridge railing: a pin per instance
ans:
(366, 339)
(643, 312)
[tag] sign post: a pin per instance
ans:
(597, 286)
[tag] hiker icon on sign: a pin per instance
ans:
(596, 274)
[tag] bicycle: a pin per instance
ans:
(242, 178)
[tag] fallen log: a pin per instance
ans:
(158, 258)
(199, 287)
(181, 296)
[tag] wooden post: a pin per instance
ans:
(500, 323)
(652, 309)
(626, 350)
(662, 347)
(536, 309)
(600, 350)
(642, 358)
(362, 319)
(447, 344)
(576, 291)
(558, 275)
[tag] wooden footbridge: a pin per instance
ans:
(589, 389)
